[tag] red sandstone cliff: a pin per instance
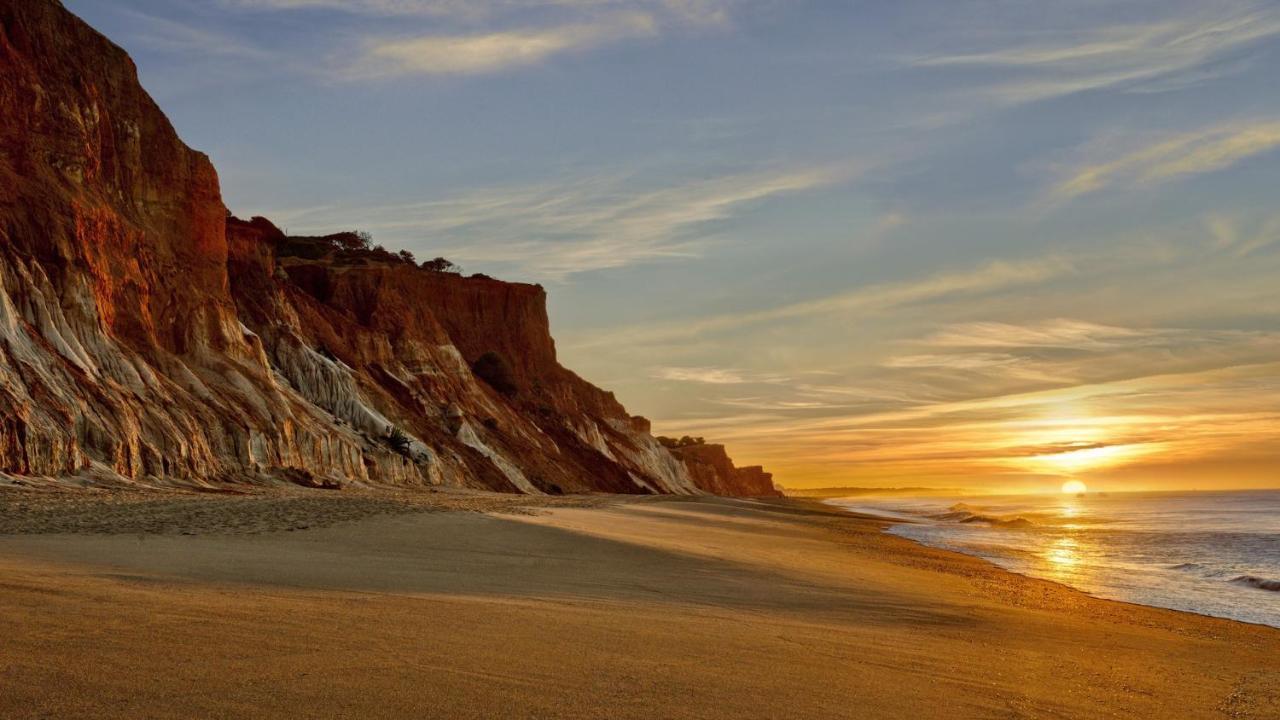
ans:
(713, 472)
(149, 337)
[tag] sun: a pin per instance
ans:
(1074, 487)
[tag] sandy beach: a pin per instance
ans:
(478, 606)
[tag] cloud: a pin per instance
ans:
(554, 230)
(1010, 434)
(1203, 151)
(1060, 448)
(994, 275)
(171, 36)
(465, 8)
(715, 376)
(710, 376)
(694, 11)
(1056, 333)
(999, 357)
(1240, 237)
(440, 37)
(762, 404)
(967, 361)
(492, 52)
(1173, 52)
(993, 400)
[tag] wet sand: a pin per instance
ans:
(475, 606)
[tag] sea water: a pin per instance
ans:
(1214, 553)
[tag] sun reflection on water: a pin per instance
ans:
(1064, 552)
(1064, 559)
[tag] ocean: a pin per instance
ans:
(1213, 553)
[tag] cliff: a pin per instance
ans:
(712, 471)
(150, 337)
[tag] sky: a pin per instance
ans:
(987, 244)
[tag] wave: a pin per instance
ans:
(964, 513)
(1258, 582)
(1207, 572)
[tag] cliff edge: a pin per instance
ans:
(713, 471)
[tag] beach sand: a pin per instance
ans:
(475, 606)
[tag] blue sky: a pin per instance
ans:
(988, 244)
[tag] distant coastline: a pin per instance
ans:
(837, 492)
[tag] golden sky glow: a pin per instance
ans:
(1179, 424)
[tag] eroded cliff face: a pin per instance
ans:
(148, 337)
(381, 343)
(713, 472)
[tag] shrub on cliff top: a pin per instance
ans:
(358, 240)
(494, 370)
(441, 265)
(685, 441)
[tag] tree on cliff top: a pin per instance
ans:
(352, 240)
(441, 265)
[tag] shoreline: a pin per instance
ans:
(628, 606)
(890, 522)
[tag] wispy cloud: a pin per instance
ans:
(994, 275)
(1172, 52)
(492, 52)
(1203, 151)
(1063, 353)
(998, 401)
(1243, 237)
(702, 11)
(966, 361)
(473, 37)
(1057, 333)
(554, 230)
(373, 7)
(710, 376)
(1190, 415)
(172, 36)
(716, 376)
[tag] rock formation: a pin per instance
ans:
(148, 336)
(712, 471)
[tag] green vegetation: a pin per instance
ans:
(398, 440)
(349, 246)
(685, 441)
(441, 265)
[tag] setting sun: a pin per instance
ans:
(1073, 487)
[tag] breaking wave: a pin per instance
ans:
(965, 513)
(1258, 582)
